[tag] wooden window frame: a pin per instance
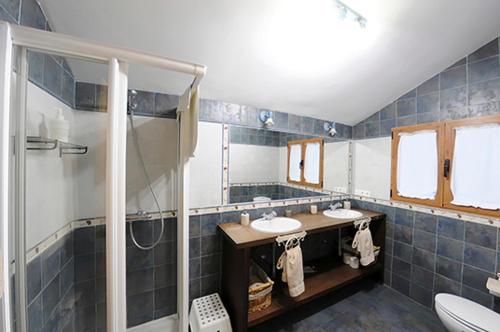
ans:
(446, 145)
(448, 155)
(438, 127)
(303, 144)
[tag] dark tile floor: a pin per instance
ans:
(364, 307)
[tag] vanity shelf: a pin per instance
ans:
(38, 143)
(331, 274)
(317, 285)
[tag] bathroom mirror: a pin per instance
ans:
(371, 167)
(259, 165)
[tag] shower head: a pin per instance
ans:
(131, 104)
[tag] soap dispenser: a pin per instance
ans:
(59, 127)
(43, 131)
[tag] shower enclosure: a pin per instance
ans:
(50, 248)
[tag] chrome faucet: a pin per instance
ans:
(335, 206)
(269, 216)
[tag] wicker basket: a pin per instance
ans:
(259, 290)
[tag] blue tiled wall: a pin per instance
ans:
(266, 137)
(66, 283)
(151, 275)
(468, 88)
(428, 254)
(90, 97)
(246, 193)
(51, 291)
(51, 73)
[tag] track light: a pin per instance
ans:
(345, 12)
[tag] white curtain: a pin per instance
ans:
(295, 158)
(312, 160)
(475, 177)
(417, 171)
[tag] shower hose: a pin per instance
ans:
(148, 179)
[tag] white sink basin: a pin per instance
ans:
(342, 214)
(276, 225)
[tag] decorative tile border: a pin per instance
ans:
(45, 244)
(435, 211)
(350, 163)
(271, 204)
(89, 222)
(286, 184)
(225, 165)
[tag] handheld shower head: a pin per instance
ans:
(131, 104)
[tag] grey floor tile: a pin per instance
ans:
(374, 308)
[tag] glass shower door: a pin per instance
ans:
(60, 193)
(67, 158)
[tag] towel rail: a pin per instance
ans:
(284, 238)
(362, 223)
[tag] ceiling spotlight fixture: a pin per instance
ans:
(267, 118)
(330, 128)
(347, 13)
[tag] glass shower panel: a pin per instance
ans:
(64, 191)
(152, 142)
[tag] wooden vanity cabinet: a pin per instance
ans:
(238, 242)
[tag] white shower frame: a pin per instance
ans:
(118, 60)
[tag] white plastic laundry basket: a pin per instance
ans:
(209, 315)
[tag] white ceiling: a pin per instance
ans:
(288, 55)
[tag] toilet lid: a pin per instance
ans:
(469, 312)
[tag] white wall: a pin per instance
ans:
(157, 138)
(283, 164)
(372, 166)
(50, 186)
(60, 190)
(206, 167)
(253, 163)
(336, 165)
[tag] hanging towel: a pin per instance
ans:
(293, 274)
(187, 111)
(364, 243)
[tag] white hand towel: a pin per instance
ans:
(364, 243)
(293, 272)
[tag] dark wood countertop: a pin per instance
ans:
(246, 236)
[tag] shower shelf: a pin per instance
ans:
(44, 144)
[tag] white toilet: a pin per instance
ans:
(461, 315)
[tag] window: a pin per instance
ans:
(453, 164)
(305, 162)
(472, 154)
(416, 159)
